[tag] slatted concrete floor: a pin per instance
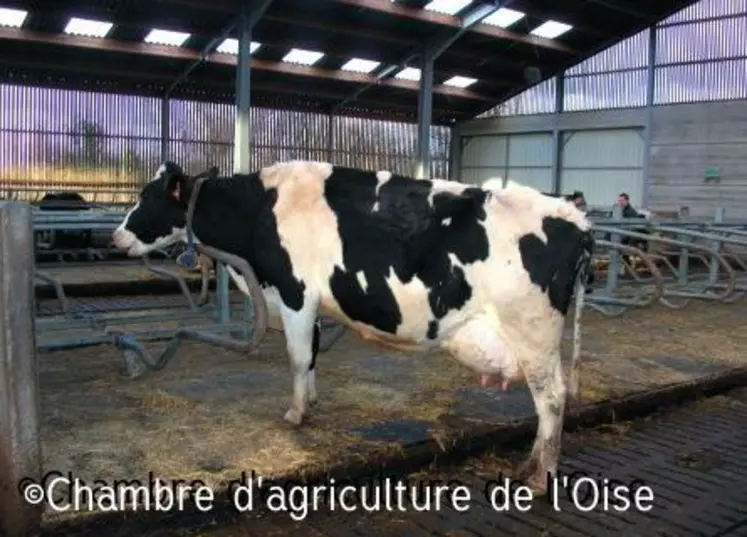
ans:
(694, 460)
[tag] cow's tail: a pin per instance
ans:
(582, 273)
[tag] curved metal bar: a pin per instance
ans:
(658, 283)
(728, 269)
(170, 274)
(259, 307)
(58, 289)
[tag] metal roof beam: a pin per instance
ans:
(434, 48)
(140, 48)
(422, 15)
(253, 15)
(438, 44)
(616, 6)
(209, 48)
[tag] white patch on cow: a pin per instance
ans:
(361, 277)
(479, 345)
(446, 222)
(442, 185)
(272, 176)
(272, 297)
(412, 298)
(306, 224)
(494, 183)
(381, 179)
(160, 172)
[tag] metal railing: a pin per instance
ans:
(684, 261)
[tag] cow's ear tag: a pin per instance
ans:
(187, 259)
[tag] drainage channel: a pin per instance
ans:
(686, 469)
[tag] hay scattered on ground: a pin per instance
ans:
(212, 414)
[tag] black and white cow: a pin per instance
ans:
(487, 276)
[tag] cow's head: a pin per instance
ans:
(159, 217)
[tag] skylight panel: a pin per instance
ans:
(360, 65)
(13, 18)
(448, 7)
(551, 29)
(231, 46)
(409, 73)
(166, 37)
(304, 57)
(87, 27)
(504, 17)
(460, 81)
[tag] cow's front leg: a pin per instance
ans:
(544, 376)
(299, 328)
(316, 341)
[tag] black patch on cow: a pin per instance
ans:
(315, 342)
(406, 234)
(246, 226)
(432, 330)
(554, 266)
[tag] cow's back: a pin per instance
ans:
(398, 258)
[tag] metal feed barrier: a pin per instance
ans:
(226, 321)
(719, 246)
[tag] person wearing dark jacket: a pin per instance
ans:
(623, 200)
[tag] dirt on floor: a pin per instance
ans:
(211, 414)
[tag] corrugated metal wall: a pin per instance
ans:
(106, 145)
(602, 164)
(701, 56)
(522, 158)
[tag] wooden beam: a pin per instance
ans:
(178, 53)
(432, 17)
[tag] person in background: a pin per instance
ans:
(623, 200)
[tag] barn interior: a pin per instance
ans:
(95, 95)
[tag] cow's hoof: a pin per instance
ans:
(294, 417)
(531, 475)
(313, 400)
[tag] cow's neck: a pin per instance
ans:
(225, 212)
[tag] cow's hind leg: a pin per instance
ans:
(299, 336)
(544, 376)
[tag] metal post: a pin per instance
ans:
(649, 114)
(222, 294)
(557, 134)
(20, 450)
(455, 154)
(717, 245)
(330, 136)
(242, 122)
(425, 118)
(165, 128)
(613, 271)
